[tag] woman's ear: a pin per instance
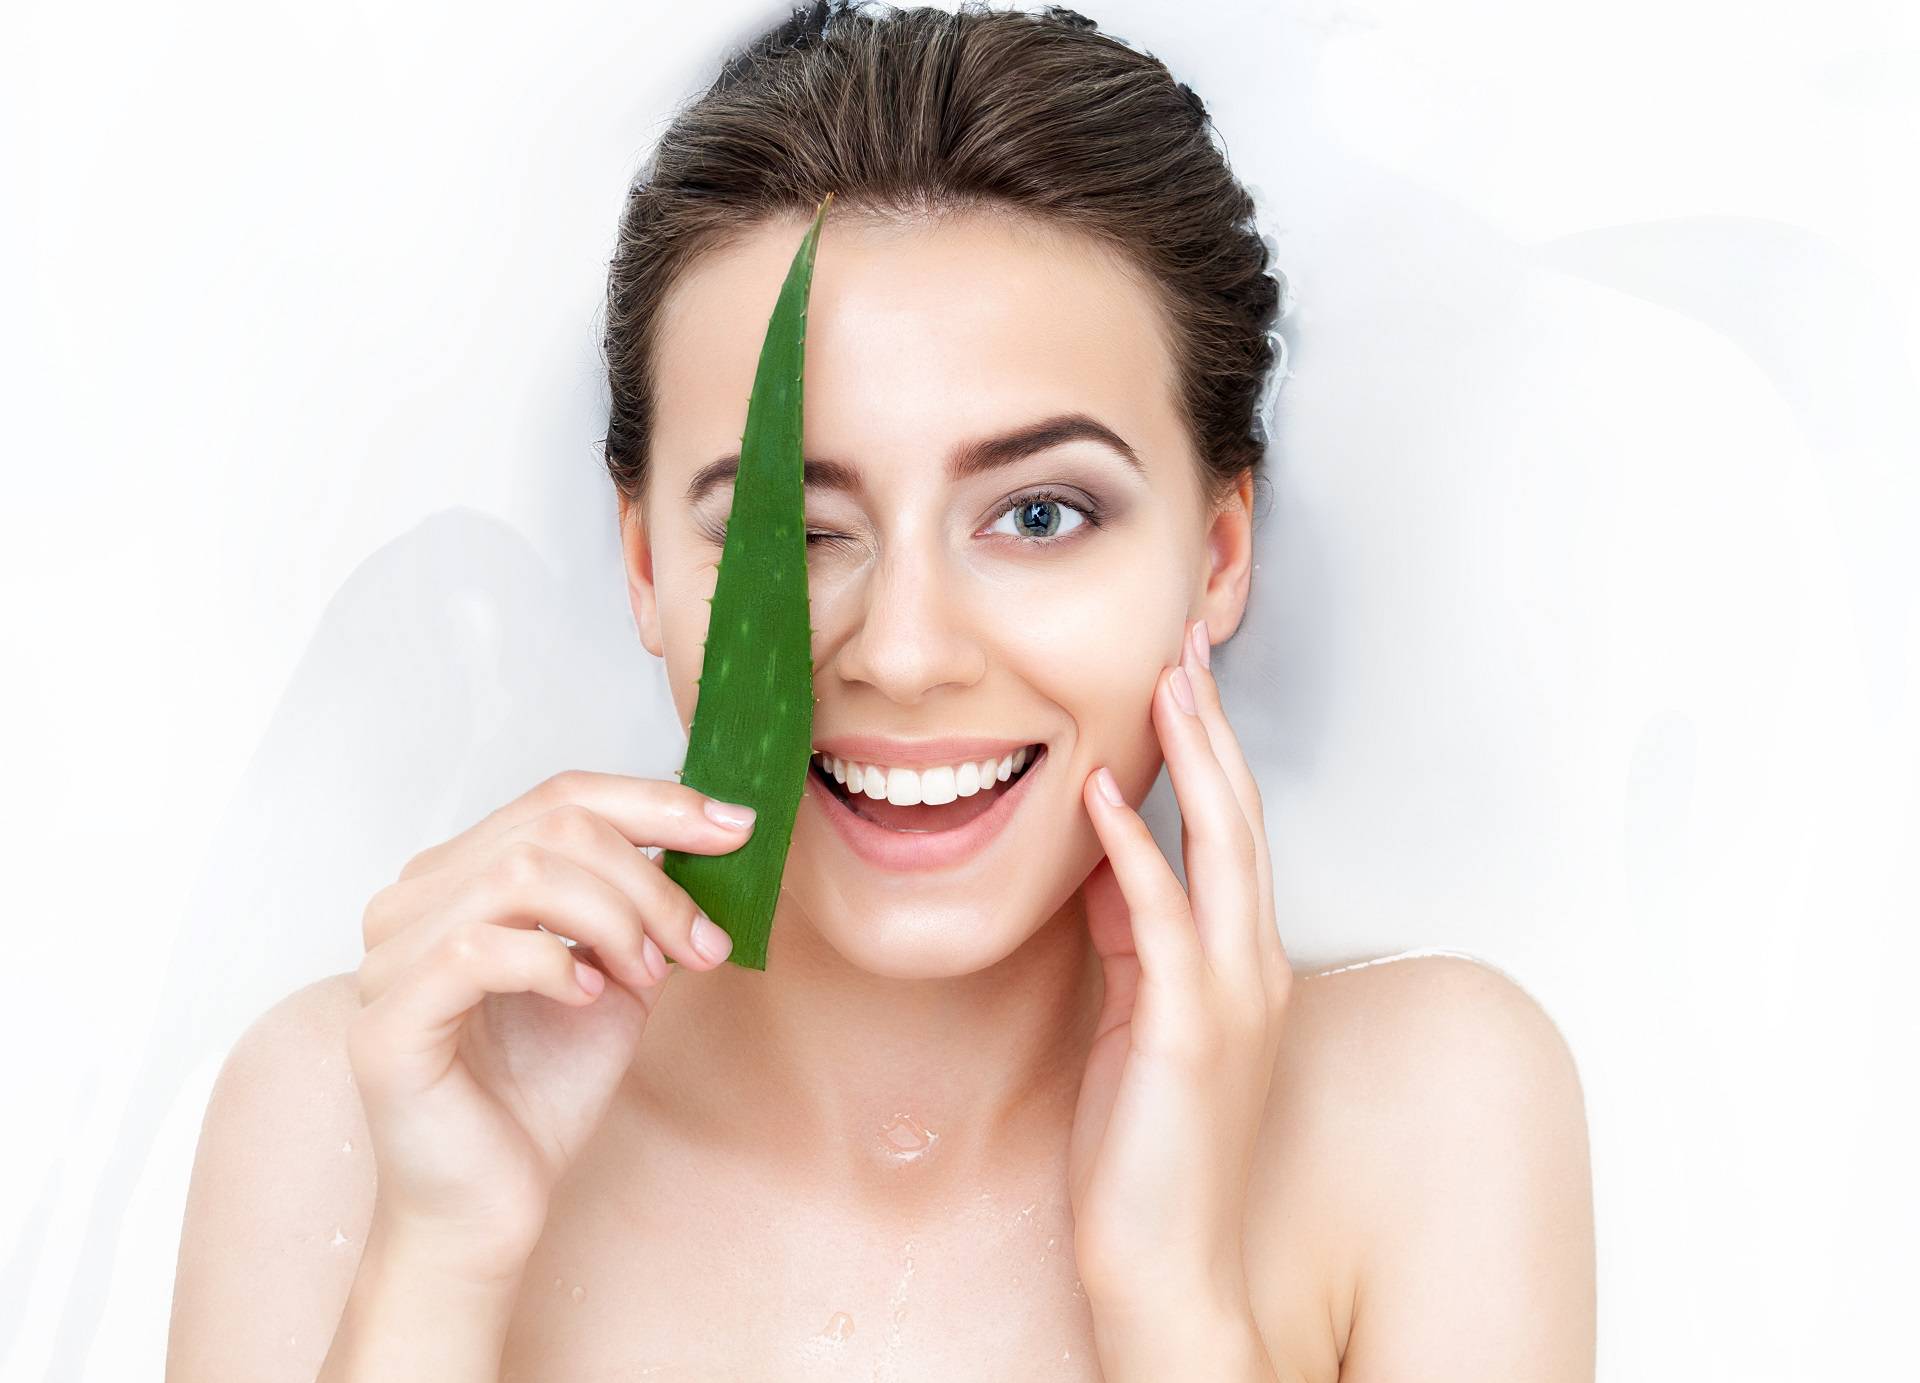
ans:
(637, 554)
(1229, 573)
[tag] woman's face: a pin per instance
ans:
(1030, 602)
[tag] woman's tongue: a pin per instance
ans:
(920, 816)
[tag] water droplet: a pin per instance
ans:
(1053, 1243)
(1016, 1281)
(579, 1295)
(346, 1145)
(1026, 1212)
(339, 1238)
(825, 1341)
(907, 1139)
(1066, 1354)
(292, 1340)
(558, 1284)
(899, 1300)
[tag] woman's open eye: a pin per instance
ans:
(1040, 515)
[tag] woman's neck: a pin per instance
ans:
(908, 1090)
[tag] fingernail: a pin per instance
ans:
(1183, 691)
(709, 940)
(656, 963)
(1108, 788)
(1202, 645)
(590, 979)
(729, 814)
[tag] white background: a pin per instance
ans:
(1583, 639)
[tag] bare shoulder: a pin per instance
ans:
(1431, 1026)
(280, 1199)
(1451, 1104)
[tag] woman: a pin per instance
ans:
(1007, 1101)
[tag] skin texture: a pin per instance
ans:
(1417, 1198)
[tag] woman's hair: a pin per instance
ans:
(917, 112)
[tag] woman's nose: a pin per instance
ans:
(913, 633)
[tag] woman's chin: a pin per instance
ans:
(923, 937)
(914, 944)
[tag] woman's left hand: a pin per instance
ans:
(1197, 984)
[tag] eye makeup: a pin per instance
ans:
(1092, 512)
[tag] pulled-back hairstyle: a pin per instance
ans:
(918, 112)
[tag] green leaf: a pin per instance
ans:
(752, 731)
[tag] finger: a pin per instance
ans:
(1156, 905)
(647, 811)
(414, 1024)
(1112, 935)
(667, 911)
(1222, 879)
(1233, 760)
(1197, 660)
(526, 887)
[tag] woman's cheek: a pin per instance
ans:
(1106, 687)
(685, 619)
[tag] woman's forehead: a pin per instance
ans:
(915, 333)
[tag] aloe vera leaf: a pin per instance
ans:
(752, 731)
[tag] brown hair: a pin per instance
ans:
(918, 111)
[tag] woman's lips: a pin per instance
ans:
(885, 848)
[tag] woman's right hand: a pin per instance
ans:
(485, 1052)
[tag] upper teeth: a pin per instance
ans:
(906, 786)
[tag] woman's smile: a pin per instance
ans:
(891, 825)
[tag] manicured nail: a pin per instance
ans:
(1202, 645)
(729, 814)
(1108, 788)
(590, 979)
(709, 940)
(1183, 691)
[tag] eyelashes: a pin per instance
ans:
(1092, 516)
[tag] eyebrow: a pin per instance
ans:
(971, 458)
